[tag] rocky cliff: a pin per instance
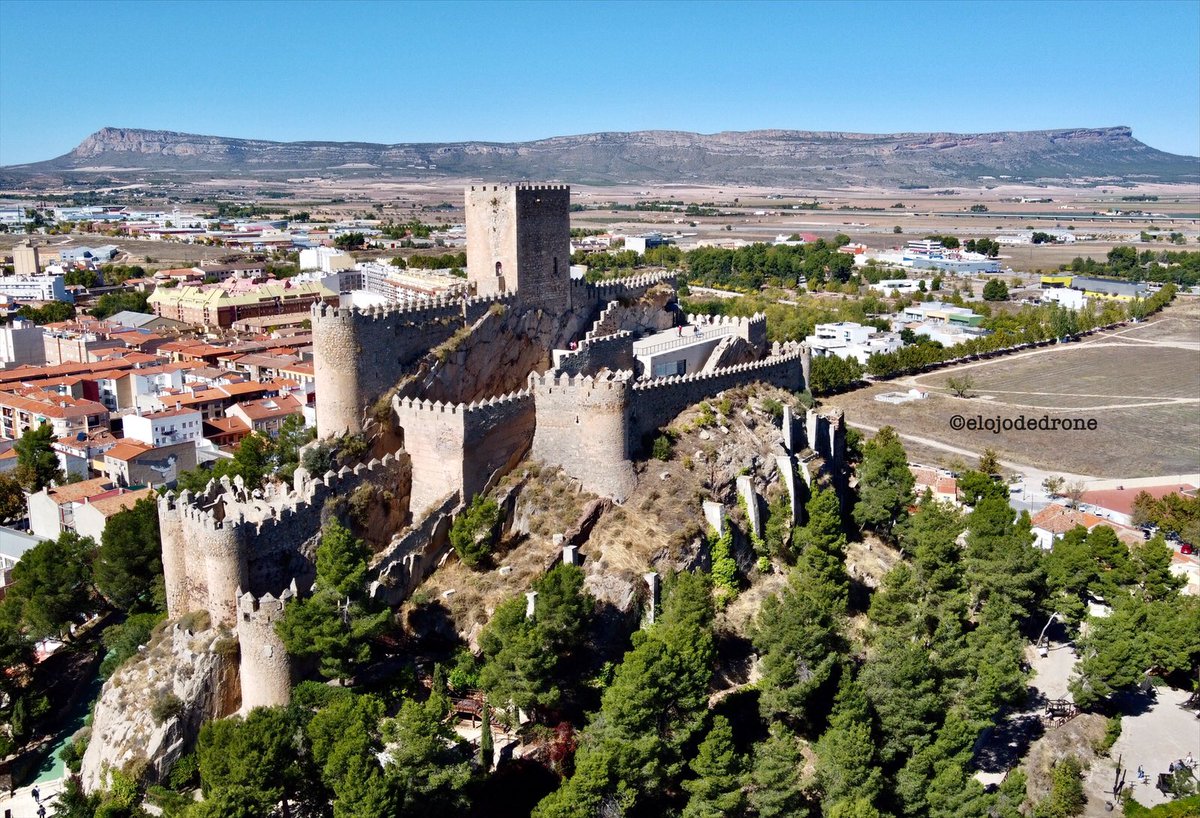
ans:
(150, 711)
(751, 157)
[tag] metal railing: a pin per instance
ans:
(688, 338)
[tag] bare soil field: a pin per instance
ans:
(1141, 384)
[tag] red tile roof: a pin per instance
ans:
(1120, 500)
(1059, 519)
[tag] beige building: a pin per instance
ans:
(52, 510)
(133, 463)
(93, 515)
(25, 259)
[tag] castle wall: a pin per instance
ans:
(582, 426)
(544, 245)
(174, 560)
(498, 434)
(520, 240)
(266, 673)
(491, 217)
(613, 352)
(654, 404)
(358, 354)
(455, 448)
(433, 438)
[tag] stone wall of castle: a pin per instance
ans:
(520, 240)
(265, 668)
(653, 404)
(224, 541)
(358, 354)
(456, 448)
(582, 426)
(590, 357)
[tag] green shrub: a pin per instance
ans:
(474, 531)
(165, 707)
(662, 448)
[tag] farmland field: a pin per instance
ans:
(1141, 384)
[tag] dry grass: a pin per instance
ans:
(1141, 384)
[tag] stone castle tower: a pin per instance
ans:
(519, 240)
(265, 667)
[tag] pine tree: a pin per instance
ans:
(777, 788)
(716, 792)
(823, 558)
(885, 484)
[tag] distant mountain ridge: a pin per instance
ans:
(764, 157)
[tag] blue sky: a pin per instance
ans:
(404, 72)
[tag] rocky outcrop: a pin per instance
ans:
(774, 157)
(150, 711)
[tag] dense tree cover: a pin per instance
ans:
(128, 567)
(1173, 513)
(1164, 266)
(350, 241)
(52, 586)
(50, 313)
(37, 462)
(649, 715)
(995, 290)
(113, 303)
(987, 247)
(1030, 325)
(334, 625)
(13, 504)
(526, 662)
(474, 531)
(885, 484)
(831, 374)
(439, 262)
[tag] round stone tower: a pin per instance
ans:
(336, 361)
(265, 669)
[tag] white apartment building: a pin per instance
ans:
(165, 428)
(325, 259)
(47, 287)
(848, 339)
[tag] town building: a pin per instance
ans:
(848, 339)
(215, 306)
(26, 259)
(29, 408)
(133, 463)
(165, 428)
(325, 259)
(21, 344)
(48, 287)
(92, 516)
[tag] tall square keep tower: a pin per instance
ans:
(519, 240)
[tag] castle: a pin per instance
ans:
(532, 363)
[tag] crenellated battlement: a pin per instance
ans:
(265, 609)
(226, 538)
(517, 186)
(728, 320)
(619, 287)
(555, 381)
(780, 354)
(415, 405)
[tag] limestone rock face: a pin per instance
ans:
(151, 710)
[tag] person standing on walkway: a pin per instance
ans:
(37, 796)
